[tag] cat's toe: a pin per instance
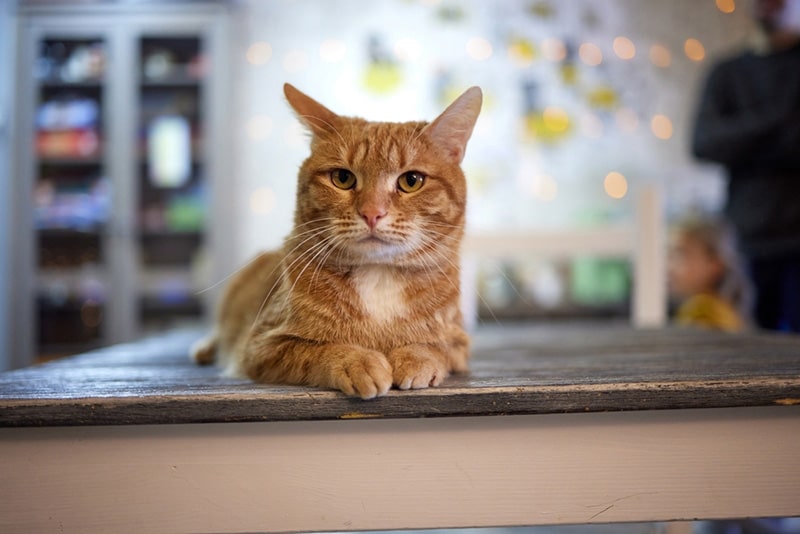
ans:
(204, 350)
(417, 372)
(367, 375)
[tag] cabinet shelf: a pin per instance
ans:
(70, 162)
(177, 82)
(70, 233)
(58, 84)
(150, 305)
(152, 235)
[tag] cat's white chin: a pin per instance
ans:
(373, 249)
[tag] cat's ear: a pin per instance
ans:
(315, 116)
(452, 129)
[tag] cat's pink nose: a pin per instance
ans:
(372, 216)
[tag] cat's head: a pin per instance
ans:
(381, 192)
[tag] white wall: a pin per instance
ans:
(511, 176)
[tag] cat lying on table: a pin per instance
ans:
(365, 292)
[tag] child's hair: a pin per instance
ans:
(719, 239)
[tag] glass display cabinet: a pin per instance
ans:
(121, 118)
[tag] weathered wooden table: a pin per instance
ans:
(554, 425)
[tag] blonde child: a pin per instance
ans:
(706, 276)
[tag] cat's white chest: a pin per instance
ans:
(382, 293)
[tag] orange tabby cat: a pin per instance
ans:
(365, 292)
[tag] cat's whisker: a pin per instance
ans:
(428, 263)
(295, 234)
(444, 236)
(280, 280)
(234, 273)
(318, 249)
(333, 242)
(280, 277)
(335, 246)
(431, 241)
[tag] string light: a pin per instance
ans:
(521, 52)
(661, 126)
(694, 49)
(479, 49)
(624, 48)
(660, 56)
(262, 201)
(555, 119)
(259, 53)
(615, 185)
(590, 54)
(726, 6)
(554, 49)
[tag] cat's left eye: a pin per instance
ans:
(410, 181)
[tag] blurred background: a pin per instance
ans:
(146, 149)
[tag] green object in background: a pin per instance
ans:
(599, 281)
(185, 214)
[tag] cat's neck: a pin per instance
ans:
(381, 291)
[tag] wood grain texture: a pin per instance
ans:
(516, 370)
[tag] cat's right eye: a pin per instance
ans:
(343, 179)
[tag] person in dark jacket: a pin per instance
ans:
(749, 121)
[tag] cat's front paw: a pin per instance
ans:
(416, 367)
(363, 373)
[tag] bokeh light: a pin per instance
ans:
(661, 127)
(660, 56)
(694, 50)
(259, 53)
(615, 185)
(262, 201)
(554, 49)
(521, 52)
(590, 54)
(479, 49)
(726, 6)
(555, 119)
(624, 48)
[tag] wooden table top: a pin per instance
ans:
(516, 369)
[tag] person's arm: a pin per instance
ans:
(725, 133)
